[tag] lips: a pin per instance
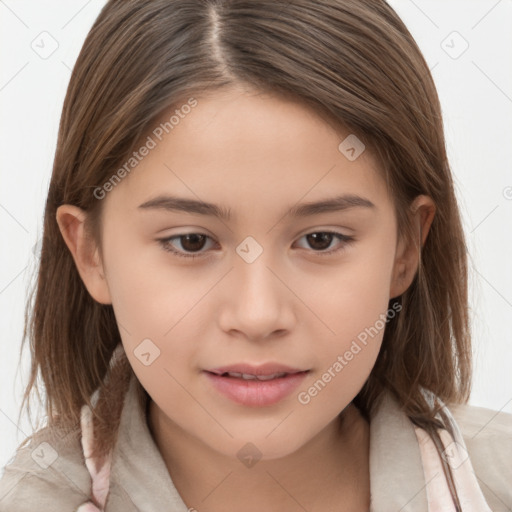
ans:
(255, 386)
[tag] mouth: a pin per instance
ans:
(265, 371)
(255, 386)
(248, 376)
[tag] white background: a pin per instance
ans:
(476, 94)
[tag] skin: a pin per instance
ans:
(258, 155)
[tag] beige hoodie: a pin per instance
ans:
(50, 473)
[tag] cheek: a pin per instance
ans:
(155, 304)
(352, 305)
(148, 293)
(351, 295)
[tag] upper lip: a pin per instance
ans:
(250, 369)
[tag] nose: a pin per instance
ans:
(258, 303)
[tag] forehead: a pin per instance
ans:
(247, 147)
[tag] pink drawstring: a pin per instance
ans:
(438, 494)
(100, 474)
(99, 470)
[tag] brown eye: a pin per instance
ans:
(319, 241)
(190, 243)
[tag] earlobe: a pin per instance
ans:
(408, 252)
(71, 221)
(401, 273)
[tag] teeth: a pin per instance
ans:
(247, 376)
(269, 377)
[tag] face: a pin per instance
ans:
(278, 286)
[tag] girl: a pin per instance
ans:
(253, 282)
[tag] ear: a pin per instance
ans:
(408, 251)
(84, 251)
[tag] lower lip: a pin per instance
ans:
(256, 393)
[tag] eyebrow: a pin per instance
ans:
(173, 203)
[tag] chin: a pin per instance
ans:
(262, 447)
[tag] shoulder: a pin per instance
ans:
(47, 471)
(488, 438)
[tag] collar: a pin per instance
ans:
(397, 480)
(138, 470)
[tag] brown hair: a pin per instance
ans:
(356, 64)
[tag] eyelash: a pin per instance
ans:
(165, 243)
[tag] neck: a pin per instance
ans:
(332, 469)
